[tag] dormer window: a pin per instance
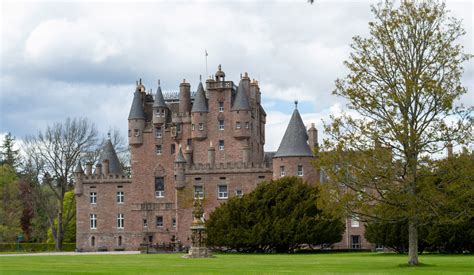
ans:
(162, 113)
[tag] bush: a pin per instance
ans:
(34, 247)
(279, 216)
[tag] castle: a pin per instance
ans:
(206, 145)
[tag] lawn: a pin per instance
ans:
(375, 263)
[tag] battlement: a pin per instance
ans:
(106, 179)
(229, 167)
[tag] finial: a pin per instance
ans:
(184, 80)
(140, 81)
(159, 83)
(200, 78)
(296, 104)
(136, 83)
(108, 135)
(219, 68)
(246, 74)
(240, 75)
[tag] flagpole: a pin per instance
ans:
(205, 51)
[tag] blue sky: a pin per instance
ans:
(81, 59)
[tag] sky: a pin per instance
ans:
(81, 59)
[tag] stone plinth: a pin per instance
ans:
(198, 252)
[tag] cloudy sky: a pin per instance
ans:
(81, 59)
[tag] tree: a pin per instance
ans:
(70, 230)
(53, 156)
(8, 154)
(279, 216)
(10, 205)
(402, 84)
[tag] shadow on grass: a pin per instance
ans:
(416, 266)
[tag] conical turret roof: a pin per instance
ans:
(136, 111)
(180, 156)
(159, 99)
(78, 168)
(295, 140)
(200, 104)
(241, 101)
(108, 153)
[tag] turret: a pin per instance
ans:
(160, 109)
(188, 155)
(78, 176)
(220, 75)
(199, 115)
(136, 119)
(241, 113)
(294, 156)
(184, 97)
(313, 137)
(180, 169)
(211, 155)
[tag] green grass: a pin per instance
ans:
(348, 263)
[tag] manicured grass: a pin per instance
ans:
(362, 263)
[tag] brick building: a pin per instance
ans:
(207, 144)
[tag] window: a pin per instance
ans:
(355, 221)
(198, 192)
(201, 126)
(355, 241)
(93, 220)
(247, 125)
(162, 112)
(159, 187)
(120, 197)
(119, 241)
(189, 142)
(173, 148)
(158, 132)
(221, 106)
(221, 145)
(145, 223)
(92, 241)
(192, 127)
(239, 193)
(282, 171)
(120, 221)
(178, 128)
(221, 124)
(93, 197)
(222, 194)
(173, 222)
(159, 221)
(237, 125)
(137, 132)
(300, 170)
(158, 150)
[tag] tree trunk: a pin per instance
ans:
(59, 233)
(412, 242)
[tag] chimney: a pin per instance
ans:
(98, 169)
(313, 137)
(89, 169)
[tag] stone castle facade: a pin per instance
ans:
(207, 145)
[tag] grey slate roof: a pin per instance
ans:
(200, 104)
(180, 156)
(241, 101)
(295, 140)
(136, 111)
(159, 99)
(78, 168)
(108, 153)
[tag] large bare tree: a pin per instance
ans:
(402, 86)
(53, 154)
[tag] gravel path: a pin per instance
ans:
(71, 253)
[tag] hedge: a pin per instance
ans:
(34, 247)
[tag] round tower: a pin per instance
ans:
(294, 156)
(241, 112)
(160, 109)
(179, 170)
(184, 97)
(199, 115)
(78, 176)
(136, 118)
